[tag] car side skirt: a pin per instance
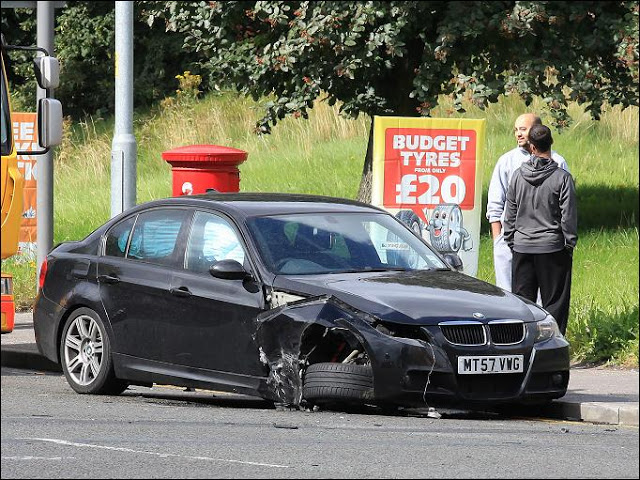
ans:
(146, 372)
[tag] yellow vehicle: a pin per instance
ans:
(49, 134)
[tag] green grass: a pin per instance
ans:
(324, 155)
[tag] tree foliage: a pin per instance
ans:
(85, 45)
(397, 57)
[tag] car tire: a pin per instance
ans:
(337, 382)
(85, 355)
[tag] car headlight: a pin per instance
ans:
(546, 329)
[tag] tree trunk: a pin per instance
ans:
(364, 192)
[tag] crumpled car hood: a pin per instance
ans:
(419, 297)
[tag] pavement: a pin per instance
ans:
(596, 394)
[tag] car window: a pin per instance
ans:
(155, 236)
(118, 237)
(333, 243)
(211, 239)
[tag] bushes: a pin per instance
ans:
(604, 333)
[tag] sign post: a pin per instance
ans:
(428, 173)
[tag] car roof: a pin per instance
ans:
(257, 204)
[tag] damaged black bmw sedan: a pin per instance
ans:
(301, 300)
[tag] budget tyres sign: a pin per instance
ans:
(428, 172)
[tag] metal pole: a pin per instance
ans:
(123, 147)
(44, 195)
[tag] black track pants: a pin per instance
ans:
(551, 273)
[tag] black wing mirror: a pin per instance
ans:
(454, 261)
(228, 270)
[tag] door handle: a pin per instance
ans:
(181, 292)
(108, 278)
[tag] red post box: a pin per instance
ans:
(195, 168)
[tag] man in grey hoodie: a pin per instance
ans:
(540, 227)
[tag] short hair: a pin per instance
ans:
(540, 137)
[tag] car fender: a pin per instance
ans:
(84, 294)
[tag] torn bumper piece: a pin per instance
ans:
(283, 335)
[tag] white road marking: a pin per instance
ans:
(37, 458)
(163, 455)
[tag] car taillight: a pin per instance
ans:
(43, 274)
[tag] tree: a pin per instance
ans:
(85, 45)
(396, 58)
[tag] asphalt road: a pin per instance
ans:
(48, 431)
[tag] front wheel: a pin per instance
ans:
(338, 382)
(85, 354)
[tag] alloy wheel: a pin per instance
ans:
(83, 348)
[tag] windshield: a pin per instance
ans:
(315, 243)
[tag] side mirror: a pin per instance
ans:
(454, 261)
(228, 270)
(49, 122)
(47, 70)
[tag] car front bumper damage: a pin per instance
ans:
(406, 371)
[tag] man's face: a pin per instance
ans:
(521, 130)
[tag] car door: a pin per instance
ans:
(216, 317)
(140, 254)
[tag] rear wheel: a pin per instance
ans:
(338, 382)
(85, 354)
